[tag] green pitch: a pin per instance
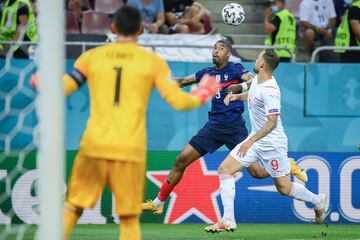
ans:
(195, 232)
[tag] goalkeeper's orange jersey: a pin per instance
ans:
(120, 78)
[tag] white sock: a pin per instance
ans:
(300, 192)
(158, 203)
(227, 192)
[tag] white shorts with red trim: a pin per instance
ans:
(274, 161)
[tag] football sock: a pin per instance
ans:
(130, 228)
(227, 192)
(165, 190)
(158, 203)
(70, 219)
(300, 192)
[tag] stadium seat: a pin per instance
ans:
(72, 25)
(95, 23)
(107, 6)
(86, 4)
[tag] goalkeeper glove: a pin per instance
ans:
(207, 88)
(34, 81)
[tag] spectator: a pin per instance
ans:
(280, 24)
(348, 33)
(317, 19)
(183, 16)
(77, 7)
(152, 13)
(18, 22)
(74, 6)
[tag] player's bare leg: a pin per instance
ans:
(300, 192)
(226, 171)
(187, 156)
(129, 228)
(257, 171)
(71, 216)
(309, 37)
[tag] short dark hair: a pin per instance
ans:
(271, 59)
(127, 20)
(226, 43)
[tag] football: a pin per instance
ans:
(233, 14)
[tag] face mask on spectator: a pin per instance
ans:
(348, 2)
(275, 9)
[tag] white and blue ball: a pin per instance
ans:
(233, 14)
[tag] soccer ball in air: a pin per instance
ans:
(233, 14)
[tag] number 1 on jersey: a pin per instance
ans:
(117, 86)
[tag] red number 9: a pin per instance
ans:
(275, 164)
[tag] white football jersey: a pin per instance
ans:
(317, 12)
(264, 100)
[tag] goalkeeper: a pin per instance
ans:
(113, 148)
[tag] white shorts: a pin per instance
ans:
(275, 162)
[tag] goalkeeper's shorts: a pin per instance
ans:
(126, 181)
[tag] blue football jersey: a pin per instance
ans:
(230, 74)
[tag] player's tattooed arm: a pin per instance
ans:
(186, 81)
(269, 125)
(247, 77)
(230, 97)
(241, 87)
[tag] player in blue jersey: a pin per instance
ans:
(226, 125)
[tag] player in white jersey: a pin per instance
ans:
(266, 144)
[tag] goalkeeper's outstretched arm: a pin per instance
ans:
(177, 98)
(75, 78)
(70, 84)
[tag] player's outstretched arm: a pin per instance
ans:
(74, 79)
(247, 77)
(235, 97)
(179, 100)
(186, 81)
(241, 87)
(70, 84)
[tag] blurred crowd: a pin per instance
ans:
(94, 17)
(159, 16)
(314, 23)
(289, 23)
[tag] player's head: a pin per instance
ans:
(277, 5)
(221, 52)
(267, 60)
(127, 22)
